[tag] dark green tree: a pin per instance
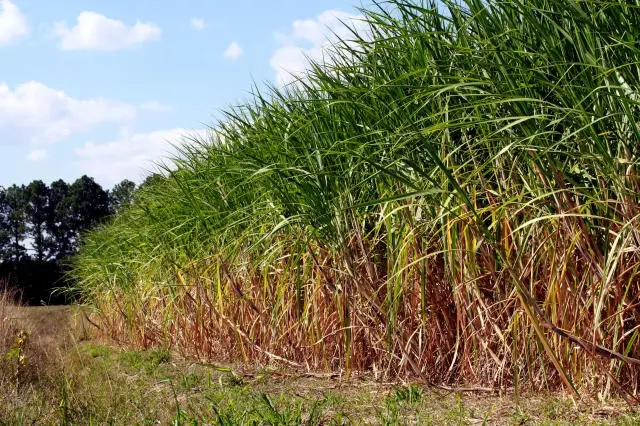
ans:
(4, 225)
(15, 205)
(121, 195)
(58, 224)
(152, 179)
(88, 203)
(37, 209)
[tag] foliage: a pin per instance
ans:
(59, 227)
(15, 205)
(121, 195)
(4, 222)
(452, 195)
(40, 226)
(37, 195)
(89, 204)
(67, 377)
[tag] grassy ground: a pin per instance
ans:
(56, 374)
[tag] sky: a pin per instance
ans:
(103, 88)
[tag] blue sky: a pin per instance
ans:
(102, 87)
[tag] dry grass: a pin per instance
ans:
(87, 382)
(32, 340)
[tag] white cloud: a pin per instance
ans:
(35, 113)
(234, 51)
(94, 31)
(13, 24)
(37, 155)
(129, 156)
(309, 38)
(197, 24)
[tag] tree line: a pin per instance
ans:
(40, 227)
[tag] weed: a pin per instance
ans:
(519, 417)
(190, 381)
(407, 393)
(159, 356)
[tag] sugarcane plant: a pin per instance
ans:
(451, 194)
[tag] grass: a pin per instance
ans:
(85, 381)
(452, 196)
(68, 377)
